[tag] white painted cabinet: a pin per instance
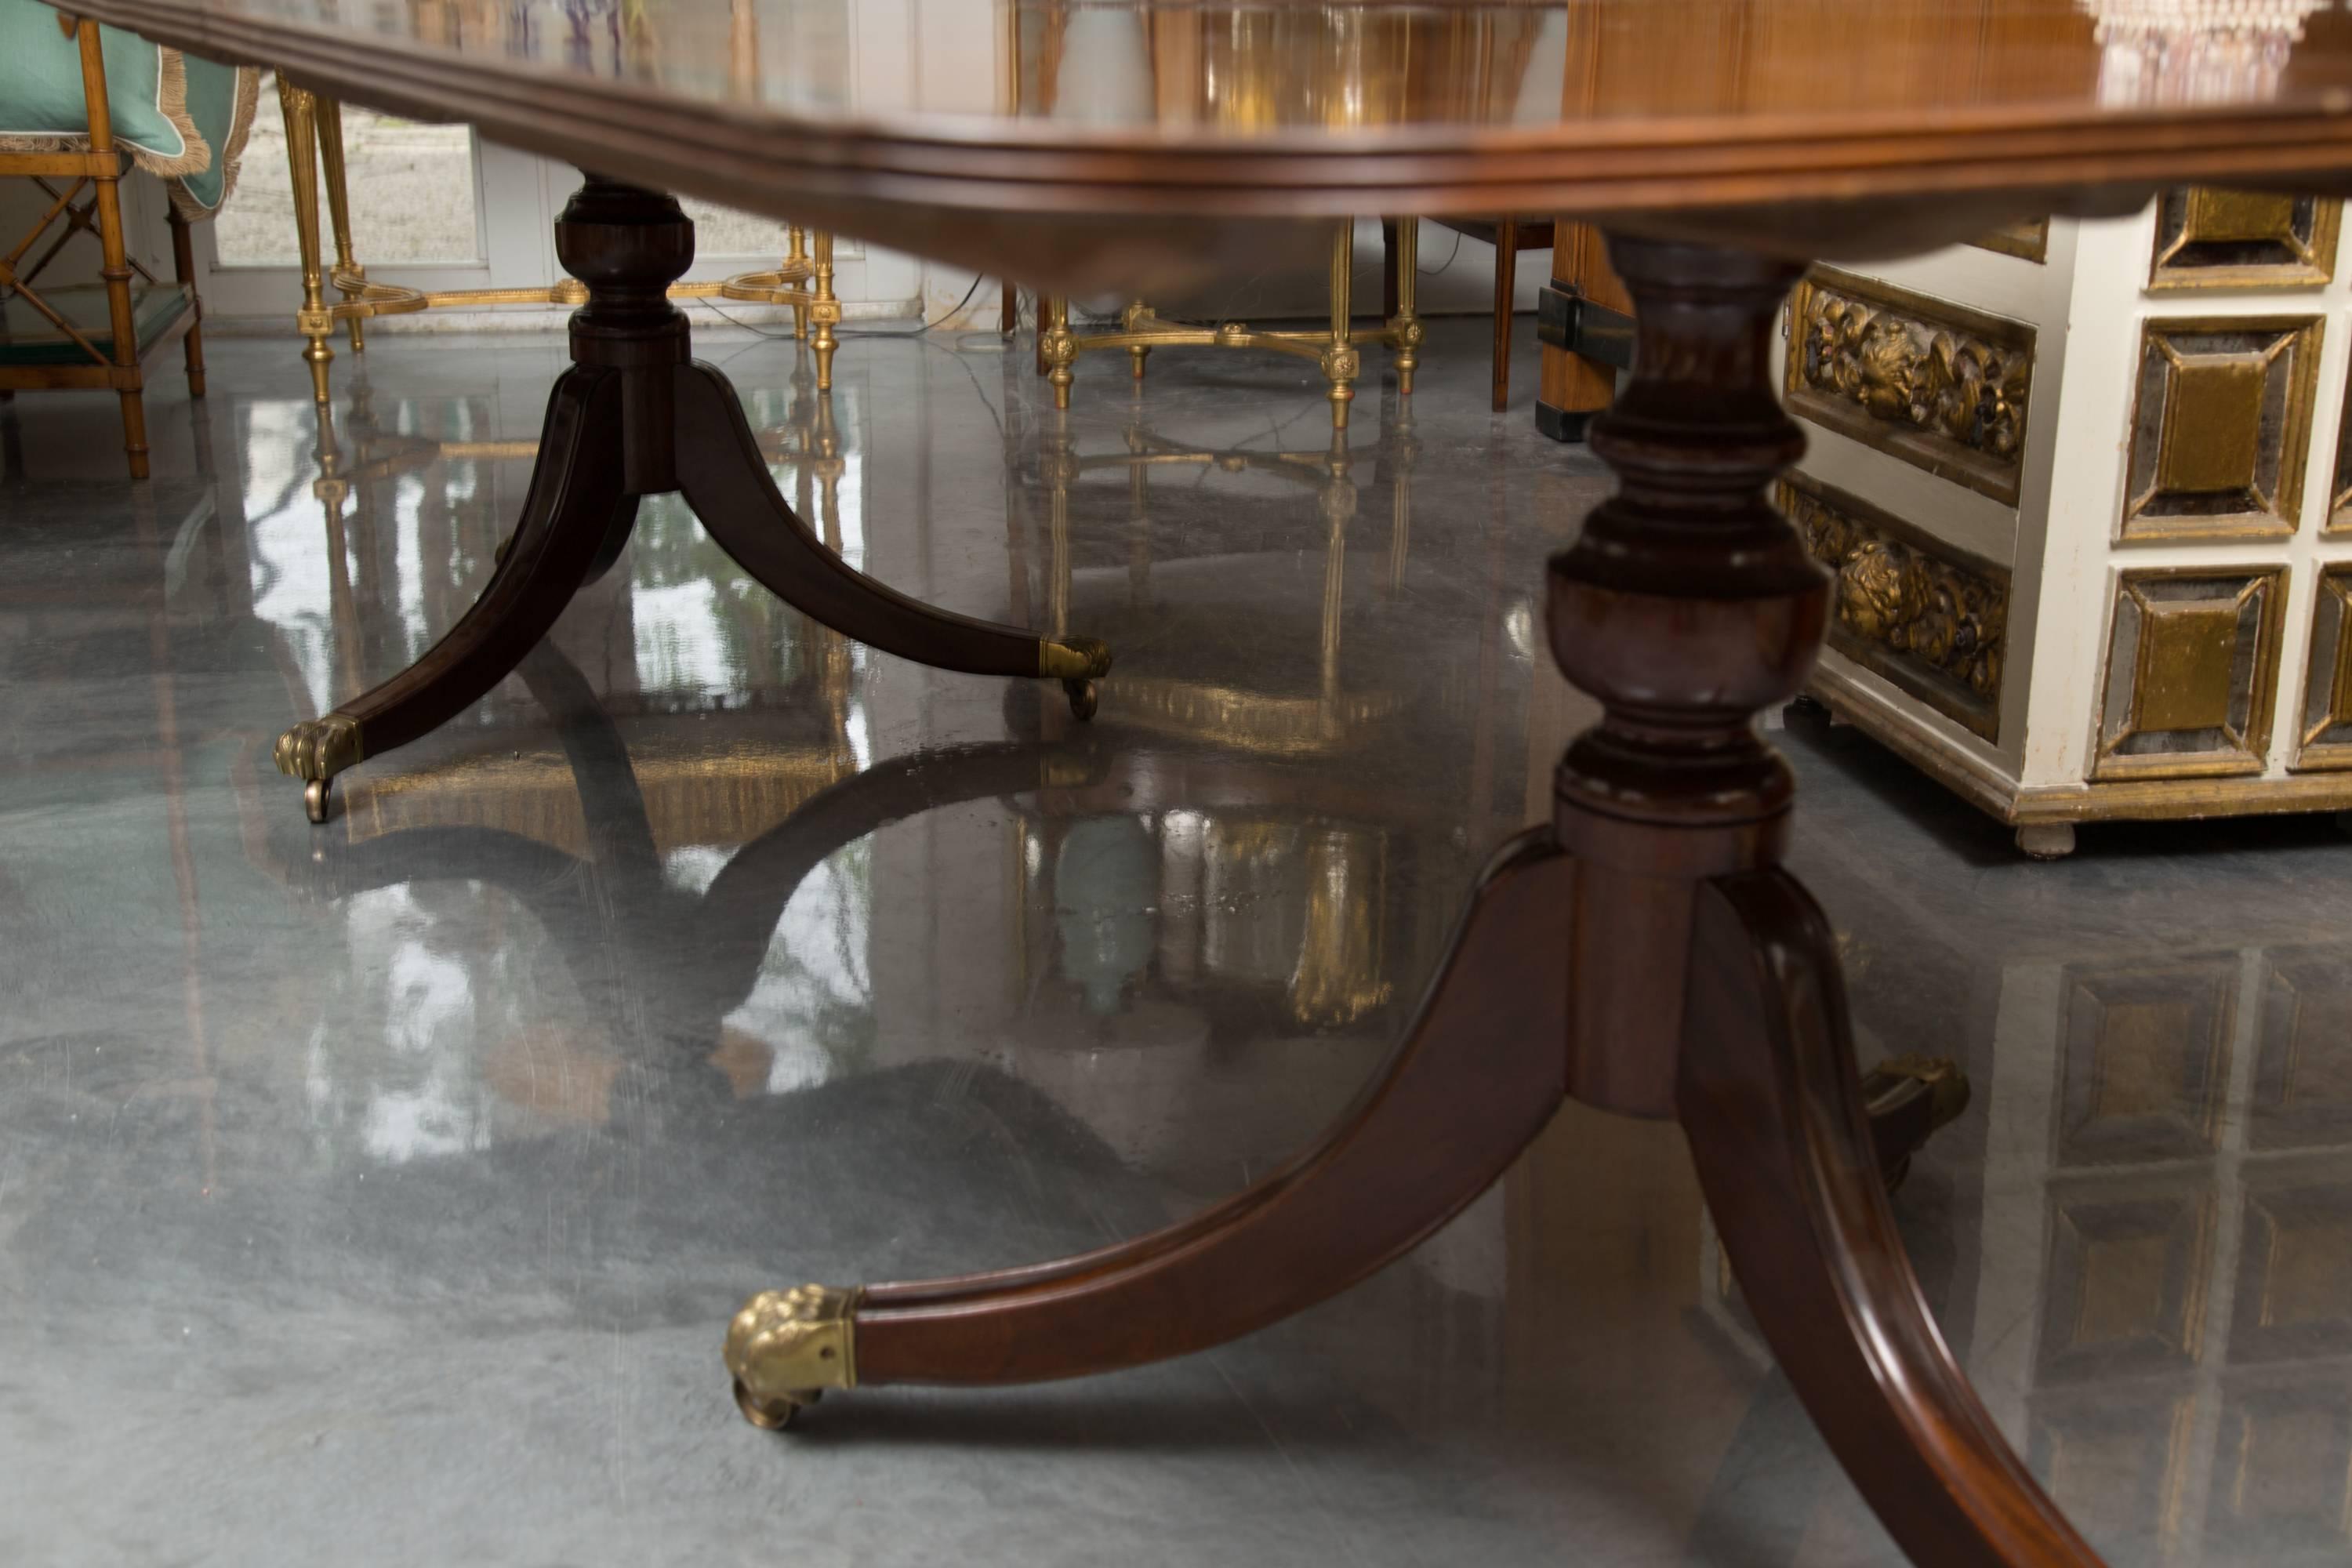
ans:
(2084, 489)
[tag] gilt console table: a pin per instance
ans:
(1644, 951)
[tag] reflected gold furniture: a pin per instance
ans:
(1246, 715)
(81, 336)
(2085, 490)
(1644, 951)
(1508, 236)
(1140, 330)
(802, 279)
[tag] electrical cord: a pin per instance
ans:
(858, 332)
(1433, 271)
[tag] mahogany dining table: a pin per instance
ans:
(1644, 951)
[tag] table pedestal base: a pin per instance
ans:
(1644, 952)
(634, 415)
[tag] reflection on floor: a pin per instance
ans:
(378, 1193)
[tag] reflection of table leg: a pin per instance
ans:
(1644, 952)
(634, 416)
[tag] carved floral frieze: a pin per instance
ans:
(1938, 385)
(1927, 621)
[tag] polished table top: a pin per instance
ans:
(1089, 139)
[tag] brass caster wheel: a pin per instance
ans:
(774, 1415)
(1084, 696)
(314, 799)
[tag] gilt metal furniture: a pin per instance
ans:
(1644, 951)
(802, 278)
(1336, 349)
(1508, 236)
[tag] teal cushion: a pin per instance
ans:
(40, 84)
(213, 106)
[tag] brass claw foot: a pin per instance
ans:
(1077, 663)
(1073, 658)
(1911, 1098)
(315, 750)
(785, 1348)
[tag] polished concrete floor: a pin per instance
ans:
(377, 1194)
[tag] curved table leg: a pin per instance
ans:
(1477, 1075)
(726, 481)
(566, 518)
(1769, 1095)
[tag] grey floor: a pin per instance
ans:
(377, 1194)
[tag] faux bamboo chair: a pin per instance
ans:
(102, 334)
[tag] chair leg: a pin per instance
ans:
(313, 321)
(1388, 269)
(1769, 1095)
(1403, 321)
(329, 116)
(1506, 270)
(115, 269)
(1058, 351)
(825, 311)
(183, 268)
(797, 269)
(1340, 362)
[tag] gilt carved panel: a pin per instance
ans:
(1928, 617)
(2221, 428)
(2210, 238)
(2339, 493)
(2028, 240)
(2326, 740)
(1939, 385)
(2192, 675)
